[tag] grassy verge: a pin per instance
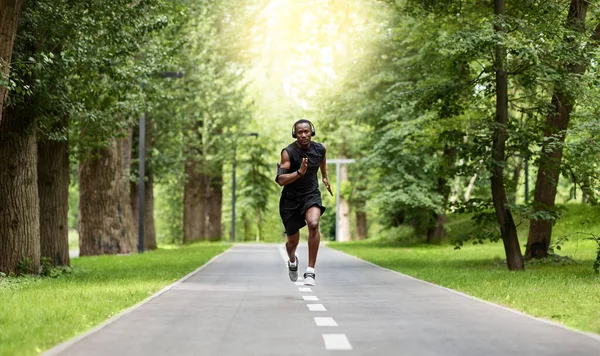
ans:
(38, 313)
(567, 291)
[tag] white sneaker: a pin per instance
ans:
(293, 270)
(309, 279)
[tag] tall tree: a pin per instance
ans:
(255, 181)
(19, 211)
(557, 122)
(53, 183)
(435, 231)
(514, 257)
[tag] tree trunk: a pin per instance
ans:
(194, 198)
(53, 189)
(470, 187)
(361, 219)
(149, 226)
(514, 258)
(214, 202)
(135, 212)
(557, 122)
(105, 221)
(124, 147)
(435, 233)
(258, 224)
(344, 223)
(540, 231)
(10, 11)
(20, 206)
(246, 227)
(515, 180)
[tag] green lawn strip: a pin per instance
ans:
(567, 292)
(38, 313)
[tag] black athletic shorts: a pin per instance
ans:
(292, 209)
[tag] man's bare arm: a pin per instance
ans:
(287, 178)
(324, 171)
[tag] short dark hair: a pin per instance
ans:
(303, 121)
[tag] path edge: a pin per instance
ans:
(550, 322)
(55, 350)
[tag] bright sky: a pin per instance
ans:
(301, 44)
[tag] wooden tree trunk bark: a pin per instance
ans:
(361, 219)
(124, 149)
(19, 200)
(258, 224)
(514, 258)
(133, 200)
(149, 226)
(435, 233)
(53, 190)
(105, 221)
(470, 187)
(194, 198)
(214, 202)
(10, 11)
(344, 223)
(515, 180)
(557, 122)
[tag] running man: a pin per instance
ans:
(300, 202)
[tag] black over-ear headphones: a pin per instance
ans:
(313, 133)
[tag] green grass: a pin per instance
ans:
(38, 313)
(567, 292)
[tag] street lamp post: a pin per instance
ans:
(232, 238)
(142, 165)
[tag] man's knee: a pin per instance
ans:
(313, 225)
(293, 240)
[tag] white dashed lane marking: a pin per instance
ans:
(325, 321)
(332, 341)
(316, 307)
(310, 297)
(336, 342)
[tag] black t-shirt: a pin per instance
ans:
(308, 183)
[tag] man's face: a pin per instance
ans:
(303, 133)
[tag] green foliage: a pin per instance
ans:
(423, 82)
(25, 266)
(169, 211)
(596, 239)
(483, 219)
(51, 271)
(256, 186)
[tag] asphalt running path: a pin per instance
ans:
(242, 303)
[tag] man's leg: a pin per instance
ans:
(313, 215)
(291, 245)
(292, 264)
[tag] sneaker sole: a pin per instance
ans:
(309, 282)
